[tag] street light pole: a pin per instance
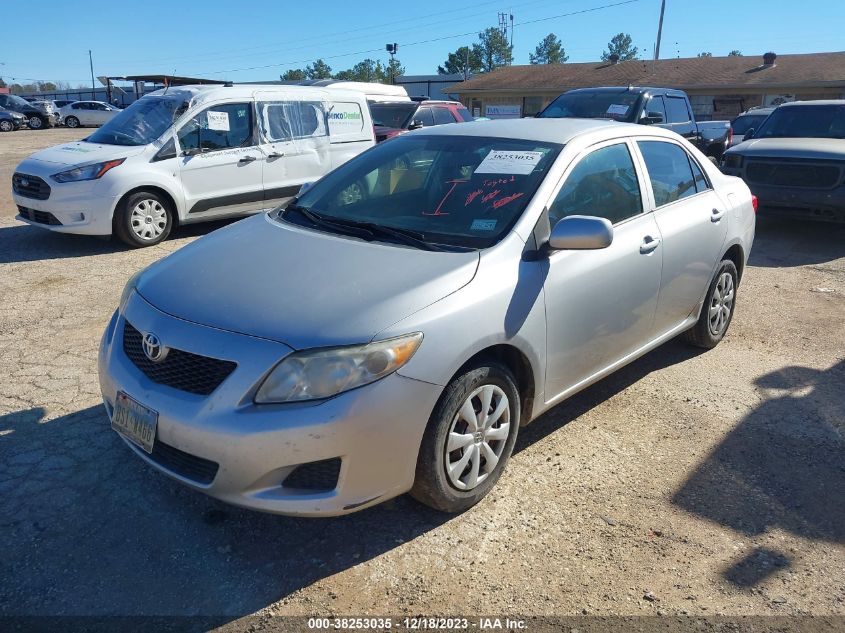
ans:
(93, 85)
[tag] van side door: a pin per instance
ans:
(294, 142)
(220, 163)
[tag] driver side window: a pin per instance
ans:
(603, 184)
(219, 127)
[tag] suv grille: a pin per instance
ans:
(181, 370)
(42, 217)
(320, 475)
(30, 186)
(198, 469)
(812, 175)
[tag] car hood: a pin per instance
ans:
(823, 148)
(301, 287)
(83, 152)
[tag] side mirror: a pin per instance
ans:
(415, 125)
(749, 134)
(653, 118)
(581, 233)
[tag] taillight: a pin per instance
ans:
(754, 203)
(730, 136)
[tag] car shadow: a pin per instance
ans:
(90, 529)
(26, 243)
(785, 242)
(783, 466)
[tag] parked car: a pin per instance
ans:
(36, 119)
(191, 154)
(325, 357)
(47, 107)
(747, 120)
(61, 103)
(393, 119)
(10, 120)
(663, 107)
(795, 161)
(87, 113)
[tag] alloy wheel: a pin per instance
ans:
(6, 126)
(35, 123)
(477, 437)
(721, 303)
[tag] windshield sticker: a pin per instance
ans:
(218, 121)
(483, 225)
(617, 109)
(504, 162)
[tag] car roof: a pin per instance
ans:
(631, 89)
(205, 92)
(549, 130)
(792, 104)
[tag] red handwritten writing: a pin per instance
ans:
(472, 196)
(500, 181)
(503, 201)
(490, 196)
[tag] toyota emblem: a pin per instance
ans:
(153, 349)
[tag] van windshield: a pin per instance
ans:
(141, 123)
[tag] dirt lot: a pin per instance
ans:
(700, 483)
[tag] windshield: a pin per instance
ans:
(18, 102)
(804, 121)
(463, 191)
(141, 123)
(392, 114)
(743, 123)
(601, 104)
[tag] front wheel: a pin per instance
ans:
(6, 126)
(718, 308)
(143, 219)
(36, 123)
(469, 439)
(71, 121)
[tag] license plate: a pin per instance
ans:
(134, 421)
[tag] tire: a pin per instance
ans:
(721, 301)
(131, 223)
(71, 122)
(37, 123)
(433, 484)
(6, 126)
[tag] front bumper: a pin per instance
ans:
(375, 430)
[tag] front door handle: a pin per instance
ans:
(716, 215)
(649, 244)
(275, 155)
(247, 159)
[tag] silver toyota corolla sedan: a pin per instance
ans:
(392, 328)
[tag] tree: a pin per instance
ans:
(493, 49)
(548, 51)
(318, 70)
(705, 54)
(463, 61)
(393, 69)
(2, 83)
(294, 74)
(735, 53)
(621, 44)
(366, 70)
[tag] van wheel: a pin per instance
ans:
(71, 121)
(718, 308)
(143, 219)
(469, 439)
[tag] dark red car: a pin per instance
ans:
(392, 118)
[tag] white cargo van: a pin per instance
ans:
(191, 154)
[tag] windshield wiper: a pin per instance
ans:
(319, 220)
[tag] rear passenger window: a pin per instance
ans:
(443, 116)
(701, 183)
(669, 171)
(604, 184)
(219, 127)
(312, 119)
(676, 109)
(287, 120)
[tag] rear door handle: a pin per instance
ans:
(649, 244)
(716, 215)
(247, 159)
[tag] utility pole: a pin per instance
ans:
(659, 30)
(93, 85)
(392, 48)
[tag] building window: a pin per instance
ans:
(531, 105)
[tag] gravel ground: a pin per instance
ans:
(687, 483)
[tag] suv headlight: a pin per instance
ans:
(87, 172)
(323, 373)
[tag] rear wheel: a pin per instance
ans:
(718, 308)
(71, 121)
(143, 219)
(469, 439)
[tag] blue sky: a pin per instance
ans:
(253, 40)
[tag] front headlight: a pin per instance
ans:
(87, 172)
(323, 373)
(127, 290)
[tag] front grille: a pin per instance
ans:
(198, 469)
(42, 217)
(811, 175)
(181, 370)
(30, 186)
(316, 476)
